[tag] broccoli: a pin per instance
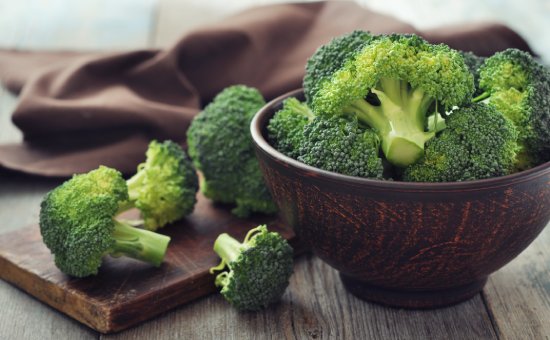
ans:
(473, 62)
(390, 84)
(338, 144)
(331, 57)
(259, 268)
(479, 142)
(519, 87)
(334, 143)
(78, 226)
(164, 187)
(285, 129)
(220, 146)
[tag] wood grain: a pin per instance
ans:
(126, 292)
(518, 296)
(316, 306)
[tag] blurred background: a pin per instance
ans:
(89, 24)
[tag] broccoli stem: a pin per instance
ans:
(134, 184)
(227, 248)
(481, 97)
(399, 119)
(139, 244)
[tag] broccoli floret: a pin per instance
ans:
(338, 144)
(331, 57)
(390, 84)
(259, 268)
(164, 187)
(479, 142)
(78, 226)
(519, 87)
(220, 146)
(285, 129)
(473, 62)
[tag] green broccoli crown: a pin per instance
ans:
(473, 62)
(165, 185)
(285, 129)
(221, 147)
(331, 57)
(77, 225)
(338, 144)
(479, 142)
(519, 87)
(259, 268)
(390, 84)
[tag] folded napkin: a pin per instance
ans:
(77, 111)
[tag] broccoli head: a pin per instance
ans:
(390, 84)
(519, 87)
(258, 269)
(286, 128)
(78, 226)
(220, 146)
(473, 62)
(338, 144)
(165, 185)
(331, 57)
(479, 142)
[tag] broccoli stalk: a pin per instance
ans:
(399, 118)
(138, 244)
(259, 268)
(164, 187)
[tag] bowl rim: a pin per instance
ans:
(256, 129)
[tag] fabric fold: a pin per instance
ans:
(78, 111)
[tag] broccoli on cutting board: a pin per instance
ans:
(257, 270)
(221, 147)
(164, 187)
(78, 226)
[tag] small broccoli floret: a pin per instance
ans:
(479, 142)
(473, 62)
(390, 84)
(164, 187)
(220, 146)
(338, 144)
(331, 57)
(258, 269)
(77, 224)
(519, 87)
(287, 125)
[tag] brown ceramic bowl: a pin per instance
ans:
(412, 245)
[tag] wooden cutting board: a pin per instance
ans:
(127, 292)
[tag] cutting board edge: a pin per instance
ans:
(22, 279)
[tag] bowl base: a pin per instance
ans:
(421, 299)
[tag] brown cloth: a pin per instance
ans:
(82, 111)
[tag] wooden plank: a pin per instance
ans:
(518, 295)
(23, 317)
(315, 306)
(76, 25)
(126, 292)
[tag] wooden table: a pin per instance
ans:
(515, 304)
